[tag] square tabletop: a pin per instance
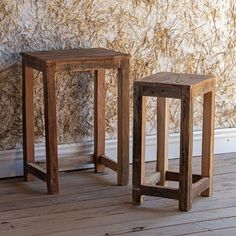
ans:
(73, 55)
(173, 79)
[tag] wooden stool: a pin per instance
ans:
(48, 62)
(185, 87)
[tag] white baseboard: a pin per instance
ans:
(11, 163)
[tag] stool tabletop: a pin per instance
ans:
(174, 79)
(73, 55)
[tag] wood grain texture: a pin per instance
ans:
(51, 129)
(37, 171)
(172, 79)
(186, 143)
(88, 206)
(174, 176)
(28, 118)
(160, 191)
(190, 185)
(47, 62)
(74, 55)
(108, 162)
(139, 118)
(123, 123)
(208, 139)
(81, 59)
(200, 186)
(162, 137)
(99, 118)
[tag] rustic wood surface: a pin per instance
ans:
(50, 129)
(186, 87)
(63, 56)
(123, 122)
(208, 138)
(186, 149)
(99, 121)
(91, 204)
(28, 118)
(174, 79)
(139, 108)
(162, 137)
(168, 84)
(96, 59)
(76, 59)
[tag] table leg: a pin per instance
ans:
(208, 139)
(139, 121)
(51, 129)
(123, 124)
(186, 137)
(28, 118)
(99, 118)
(162, 138)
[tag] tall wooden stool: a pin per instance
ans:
(49, 62)
(185, 87)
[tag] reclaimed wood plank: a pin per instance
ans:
(106, 161)
(123, 123)
(185, 165)
(98, 209)
(99, 118)
(139, 120)
(162, 138)
(208, 139)
(50, 129)
(28, 118)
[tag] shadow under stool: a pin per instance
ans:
(185, 87)
(90, 59)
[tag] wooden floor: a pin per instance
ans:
(91, 204)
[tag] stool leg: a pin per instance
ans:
(139, 119)
(99, 118)
(162, 138)
(28, 119)
(208, 139)
(50, 129)
(123, 124)
(186, 134)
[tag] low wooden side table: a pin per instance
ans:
(185, 87)
(92, 59)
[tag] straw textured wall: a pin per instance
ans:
(179, 36)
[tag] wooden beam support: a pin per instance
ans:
(75, 162)
(200, 186)
(174, 176)
(106, 161)
(160, 191)
(37, 171)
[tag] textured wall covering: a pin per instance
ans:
(181, 36)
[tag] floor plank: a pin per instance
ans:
(92, 204)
